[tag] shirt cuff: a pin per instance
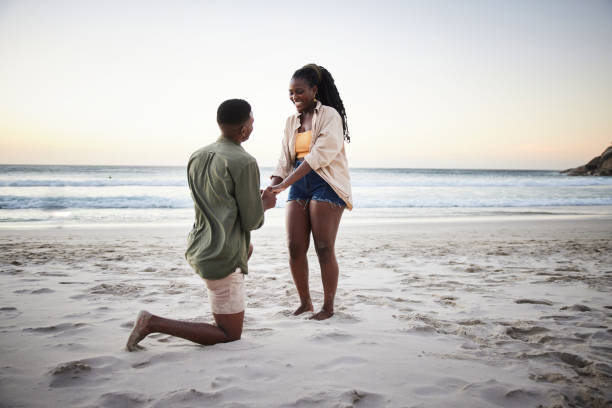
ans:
(312, 161)
(278, 172)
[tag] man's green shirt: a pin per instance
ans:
(224, 183)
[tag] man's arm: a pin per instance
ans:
(248, 197)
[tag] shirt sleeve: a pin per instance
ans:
(248, 197)
(329, 143)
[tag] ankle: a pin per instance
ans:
(151, 325)
(306, 303)
(328, 307)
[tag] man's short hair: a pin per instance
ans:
(233, 112)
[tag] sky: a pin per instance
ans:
(516, 84)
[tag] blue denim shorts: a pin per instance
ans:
(313, 187)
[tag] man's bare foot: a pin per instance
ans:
(322, 315)
(303, 308)
(140, 330)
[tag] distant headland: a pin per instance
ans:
(598, 166)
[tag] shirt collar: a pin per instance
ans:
(227, 140)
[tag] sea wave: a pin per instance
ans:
(52, 203)
(94, 183)
(152, 202)
(484, 182)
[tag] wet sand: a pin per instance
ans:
(468, 313)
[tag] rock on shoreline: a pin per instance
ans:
(598, 166)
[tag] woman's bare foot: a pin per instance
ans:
(307, 307)
(322, 315)
(140, 330)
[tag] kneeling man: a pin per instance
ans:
(224, 183)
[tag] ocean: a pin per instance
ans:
(111, 195)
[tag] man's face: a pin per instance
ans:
(247, 128)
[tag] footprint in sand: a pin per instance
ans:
(84, 372)
(525, 334)
(331, 336)
(572, 360)
(122, 399)
(577, 308)
(550, 377)
(53, 274)
(190, 398)
(533, 302)
(9, 312)
(40, 291)
(58, 328)
(447, 300)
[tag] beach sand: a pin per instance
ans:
(463, 313)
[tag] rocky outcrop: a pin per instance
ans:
(599, 166)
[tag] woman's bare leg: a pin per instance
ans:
(298, 241)
(324, 220)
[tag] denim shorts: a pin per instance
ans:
(313, 187)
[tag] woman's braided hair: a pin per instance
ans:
(327, 93)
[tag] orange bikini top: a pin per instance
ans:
(302, 144)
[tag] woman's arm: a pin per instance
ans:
(274, 180)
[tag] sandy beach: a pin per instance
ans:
(510, 312)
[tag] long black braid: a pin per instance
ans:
(327, 92)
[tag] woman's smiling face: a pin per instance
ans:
(302, 94)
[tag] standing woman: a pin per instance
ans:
(313, 163)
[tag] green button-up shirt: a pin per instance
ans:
(224, 183)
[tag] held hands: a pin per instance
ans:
(269, 194)
(279, 185)
(278, 188)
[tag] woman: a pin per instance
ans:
(313, 163)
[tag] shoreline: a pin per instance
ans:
(360, 216)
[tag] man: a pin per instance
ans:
(224, 183)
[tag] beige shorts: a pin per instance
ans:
(226, 295)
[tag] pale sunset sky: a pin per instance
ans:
(517, 84)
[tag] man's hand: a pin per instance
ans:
(269, 199)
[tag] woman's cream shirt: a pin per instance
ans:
(327, 154)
